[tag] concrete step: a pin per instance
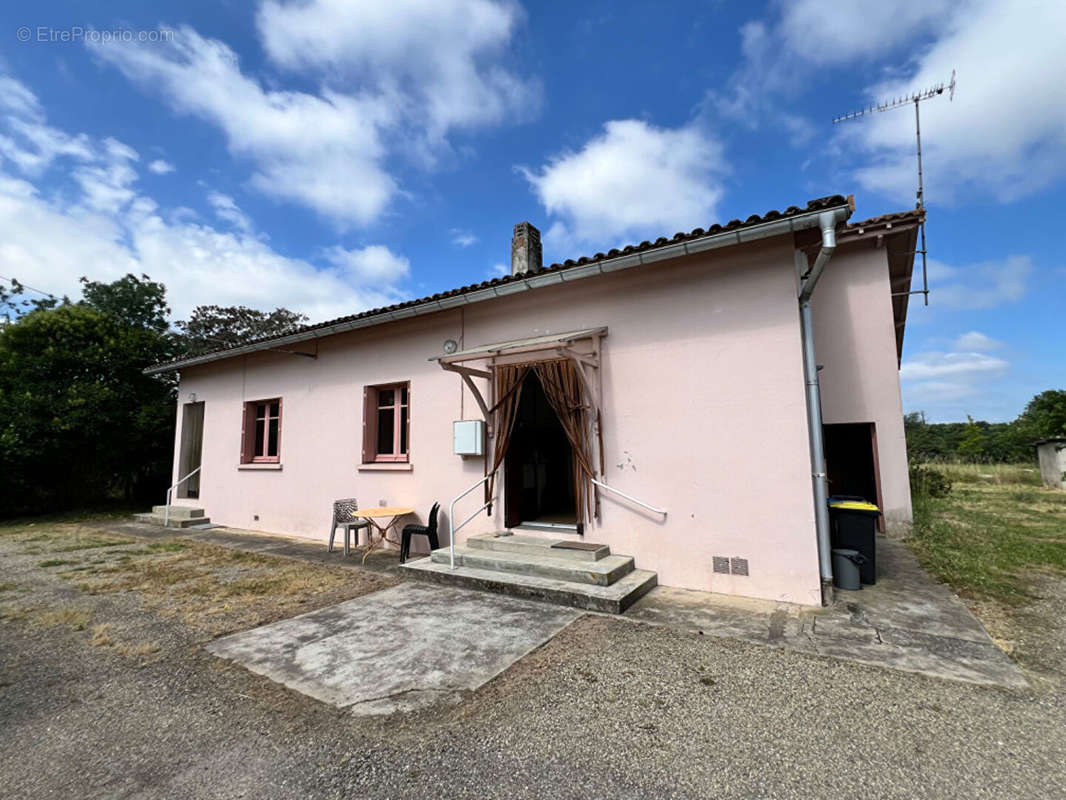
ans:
(537, 545)
(613, 599)
(182, 512)
(603, 572)
(174, 522)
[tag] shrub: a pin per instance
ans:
(929, 482)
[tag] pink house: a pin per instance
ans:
(688, 402)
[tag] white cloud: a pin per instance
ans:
(499, 270)
(826, 32)
(98, 225)
(947, 384)
(975, 341)
(445, 60)
(983, 285)
(374, 264)
(323, 151)
(632, 180)
(463, 238)
(933, 365)
(160, 167)
(396, 79)
(227, 210)
(1003, 136)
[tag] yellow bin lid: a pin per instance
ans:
(853, 505)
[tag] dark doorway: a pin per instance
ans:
(851, 462)
(539, 465)
(192, 446)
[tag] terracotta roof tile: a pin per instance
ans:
(755, 219)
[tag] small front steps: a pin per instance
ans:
(180, 517)
(559, 570)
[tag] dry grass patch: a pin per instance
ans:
(73, 617)
(218, 590)
(60, 537)
(136, 649)
(101, 635)
(11, 612)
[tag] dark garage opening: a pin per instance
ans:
(851, 462)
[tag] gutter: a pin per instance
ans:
(763, 230)
(808, 281)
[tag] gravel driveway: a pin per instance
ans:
(608, 708)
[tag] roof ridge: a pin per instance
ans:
(817, 204)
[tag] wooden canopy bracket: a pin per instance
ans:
(468, 374)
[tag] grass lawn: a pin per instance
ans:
(996, 529)
(55, 571)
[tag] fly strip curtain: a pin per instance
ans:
(562, 387)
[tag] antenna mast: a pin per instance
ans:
(916, 98)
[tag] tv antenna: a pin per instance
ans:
(888, 105)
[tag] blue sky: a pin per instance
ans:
(331, 156)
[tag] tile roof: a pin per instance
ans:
(819, 204)
(913, 216)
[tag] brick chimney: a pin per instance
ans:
(525, 249)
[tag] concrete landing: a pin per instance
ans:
(398, 649)
(538, 545)
(613, 599)
(906, 621)
(602, 572)
(173, 522)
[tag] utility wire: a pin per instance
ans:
(26, 286)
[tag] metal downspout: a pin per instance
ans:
(808, 281)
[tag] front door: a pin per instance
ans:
(192, 447)
(539, 465)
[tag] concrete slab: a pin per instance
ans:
(906, 621)
(397, 649)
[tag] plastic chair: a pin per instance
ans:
(344, 516)
(429, 531)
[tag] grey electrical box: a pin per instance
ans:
(468, 436)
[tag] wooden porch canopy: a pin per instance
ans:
(567, 365)
(553, 345)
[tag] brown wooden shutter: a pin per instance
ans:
(408, 451)
(279, 429)
(370, 427)
(244, 459)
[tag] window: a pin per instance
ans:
(386, 423)
(261, 437)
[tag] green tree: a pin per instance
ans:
(214, 327)
(1045, 415)
(972, 446)
(79, 421)
(136, 302)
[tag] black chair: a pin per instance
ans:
(429, 531)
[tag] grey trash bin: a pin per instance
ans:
(846, 569)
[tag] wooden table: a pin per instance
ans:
(372, 515)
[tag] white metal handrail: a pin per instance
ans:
(629, 497)
(454, 529)
(170, 495)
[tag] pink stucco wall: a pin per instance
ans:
(855, 339)
(704, 415)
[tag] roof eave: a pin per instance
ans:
(743, 235)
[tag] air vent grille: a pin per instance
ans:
(738, 566)
(721, 564)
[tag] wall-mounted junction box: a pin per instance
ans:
(468, 437)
